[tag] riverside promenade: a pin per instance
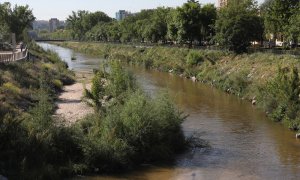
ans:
(17, 55)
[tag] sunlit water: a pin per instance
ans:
(244, 143)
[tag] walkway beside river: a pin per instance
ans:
(70, 105)
(10, 56)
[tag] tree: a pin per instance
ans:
(3, 26)
(277, 14)
(237, 25)
(92, 19)
(209, 16)
(157, 29)
(81, 22)
(294, 26)
(172, 28)
(17, 19)
(188, 22)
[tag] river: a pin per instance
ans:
(245, 144)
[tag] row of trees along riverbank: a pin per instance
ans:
(232, 27)
(270, 81)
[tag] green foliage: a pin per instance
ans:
(64, 34)
(81, 22)
(194, 58)
(17, 19)
(32, 145)
(57, 84)
(189, 21)
(294, 24)
(237, 25)
(10, 89)
(97, 90)
(120, 81)
(136, 129)
(277, 15)
(281, 97)
(139, 131)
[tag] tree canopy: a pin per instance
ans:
(238, 24)
(16, 19)
(81, 22)
(277, 15)
(233, 26)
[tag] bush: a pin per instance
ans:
(57, 84)
(10, 88)
(194, 58)
(281, 97)
(137, 129)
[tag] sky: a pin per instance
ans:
(61, 9)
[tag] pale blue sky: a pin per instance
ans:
(46, 9)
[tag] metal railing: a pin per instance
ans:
(7, 57)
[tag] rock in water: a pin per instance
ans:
(253, 102)
(194, 79)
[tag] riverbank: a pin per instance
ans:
(115, 134)
(266, 80)
(29, 139)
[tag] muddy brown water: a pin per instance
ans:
(244, 143)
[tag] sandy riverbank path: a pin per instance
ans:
(69, 105)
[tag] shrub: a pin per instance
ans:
(141, 130)
(281, 97)
(194, 58)
(10, 88)
(136, 129)
(57, 84)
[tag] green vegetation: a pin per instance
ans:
(280, 18)
(238, 25)
(234, 27)
(60, 34)
(30, 141)
(187, 24)
(271, 80)
(128, 127)
(15, 20)
(281, 97)
(82, 21)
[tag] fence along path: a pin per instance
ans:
(6, 57)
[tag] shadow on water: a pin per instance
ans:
(244, 143)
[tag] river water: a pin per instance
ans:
(244, 143)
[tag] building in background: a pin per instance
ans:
(53, 24)
(40, 25)
(122, 14)
(222, 3)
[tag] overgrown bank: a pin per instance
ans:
(30, 143)
(126, 129)
(270, 81)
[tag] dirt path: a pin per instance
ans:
(70, 105)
